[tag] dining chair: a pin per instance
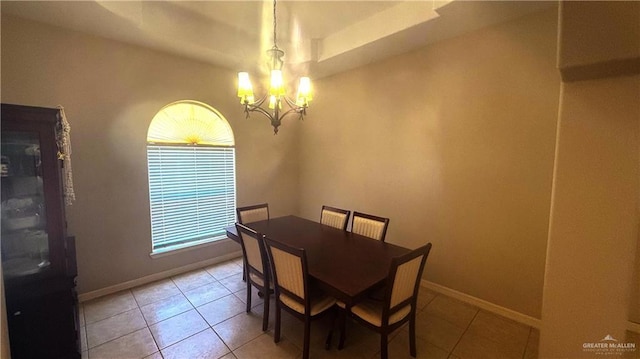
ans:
(254, 213)
(369, 225)
(255, 257)
(399, 303)
(335, 217)
(248, 214)
(293, 291)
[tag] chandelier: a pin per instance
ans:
(276, 95)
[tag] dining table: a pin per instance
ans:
(344, 264)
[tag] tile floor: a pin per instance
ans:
(201, 314)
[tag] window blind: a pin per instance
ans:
(192, 194)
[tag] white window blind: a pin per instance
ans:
(192, 194)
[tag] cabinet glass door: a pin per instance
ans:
(25, 241)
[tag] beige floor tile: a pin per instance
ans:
(437, 331)
(155, 291)
(255, 298)
(500, 329)
(165, 308)
(399, 348)
(264, 347)
(360, 342)
(206, 293)
(240, 329)
(108, 306)
(425, 296)
(234, 283)
(156, 355)
(334, 353)
(138, 344)
(114, 327)
(205, 344)
(237, 261)
(177, 328)
(219, 294)
(473, 346)
(452, 310)
(292, 328)
(221, 309)
(223, 270)
(191, 280)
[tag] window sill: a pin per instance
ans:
(186, 247)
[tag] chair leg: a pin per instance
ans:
(384, 352)
(276, 334)
(307, 338)
(248, 296)
(265, 314)
(412, 335)
(244, 270)
(343, 327)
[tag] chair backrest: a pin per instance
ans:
(253, 250)
(335, 217)
(257, 212)
(369, 225)
(289, 269)
(404, 280)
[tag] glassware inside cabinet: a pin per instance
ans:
(25, 242)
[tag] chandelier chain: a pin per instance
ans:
(274, 24)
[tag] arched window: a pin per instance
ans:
(192, 183)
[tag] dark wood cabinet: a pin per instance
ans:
(38, 257)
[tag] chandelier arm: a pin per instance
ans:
(298, 109)
(260, 110)
(291, 103)
(257, 103)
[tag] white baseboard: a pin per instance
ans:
(156, 276)
(482, 304)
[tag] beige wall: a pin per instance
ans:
(589, 288)
(110, 92)
(455, 143)
(594, 227)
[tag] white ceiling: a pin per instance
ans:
(319, 38)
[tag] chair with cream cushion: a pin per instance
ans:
(369, 225)
(248, 214)
(255, 257)
(292, 288)
(335, 217)
(399, 303)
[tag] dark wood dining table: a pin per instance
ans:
(344, 264)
